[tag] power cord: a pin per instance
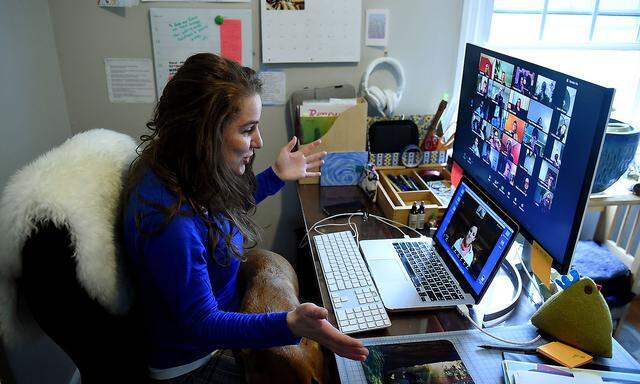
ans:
(464, 311)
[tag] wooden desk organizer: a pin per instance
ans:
(397, 204)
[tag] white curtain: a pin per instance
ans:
(474, 28)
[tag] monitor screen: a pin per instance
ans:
(474, 237)
(530, 138)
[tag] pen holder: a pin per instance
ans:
(578, 316)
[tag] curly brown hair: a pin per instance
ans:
(184, 149)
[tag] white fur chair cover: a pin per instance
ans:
(76, 185)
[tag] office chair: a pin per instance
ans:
(59, 221)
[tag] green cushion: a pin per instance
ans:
(578, 316)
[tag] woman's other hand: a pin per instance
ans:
(291, 166)
(309, 320)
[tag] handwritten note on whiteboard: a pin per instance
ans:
(178, 33)
(312, 32)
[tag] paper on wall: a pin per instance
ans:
(118, 3)
(130, 80)
(231, 39)
(377, 27)
(198, 1)
(273, 87)
(178, 33)
(314, 31)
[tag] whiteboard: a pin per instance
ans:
(178, 33)
(324, 31)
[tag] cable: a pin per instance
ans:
(306, 235)
(464, 311)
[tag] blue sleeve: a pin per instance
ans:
(176, 264)
(267, 184)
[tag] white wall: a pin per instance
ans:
(424, 37)
(34, 119)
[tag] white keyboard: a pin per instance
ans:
(355, 299)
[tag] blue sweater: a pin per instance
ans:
(188, 299)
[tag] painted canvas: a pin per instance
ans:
(343, 168)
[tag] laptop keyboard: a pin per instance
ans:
(430, 276)
(356, 302)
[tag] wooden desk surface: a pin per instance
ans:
(401, 323)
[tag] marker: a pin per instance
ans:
(526, 351)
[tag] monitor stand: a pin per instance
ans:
(513, 274)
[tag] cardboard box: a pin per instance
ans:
(348, 133)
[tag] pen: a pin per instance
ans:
(526, 351)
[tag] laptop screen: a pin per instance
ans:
(474, 236)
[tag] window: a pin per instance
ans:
(596, 40)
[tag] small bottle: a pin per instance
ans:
(413, 216)
(421, 215)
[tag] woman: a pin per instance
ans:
(190, 197)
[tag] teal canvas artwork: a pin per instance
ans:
(343, 168)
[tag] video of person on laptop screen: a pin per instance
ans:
(472, 234)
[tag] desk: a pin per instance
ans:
(401, 323)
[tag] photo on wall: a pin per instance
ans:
(285, 5)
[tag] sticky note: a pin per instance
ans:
(564, 354)
(231, 40)
(456, 174)
(541, 264)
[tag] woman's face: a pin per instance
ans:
(242, 136)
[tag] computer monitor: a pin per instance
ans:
(530, 137)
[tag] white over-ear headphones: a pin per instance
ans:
(384, 100)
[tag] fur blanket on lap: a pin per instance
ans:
(76, 185)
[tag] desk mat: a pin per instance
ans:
(483, 365)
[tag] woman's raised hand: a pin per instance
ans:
(291, 166)
(309, 320)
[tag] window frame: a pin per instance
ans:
(589, 45)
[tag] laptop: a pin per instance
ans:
(455, 267)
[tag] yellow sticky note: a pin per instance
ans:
(541, 264)
(562, 353)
